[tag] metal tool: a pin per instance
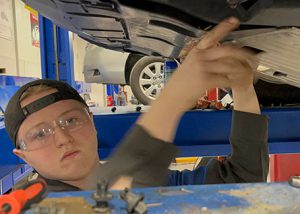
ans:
(102, 197)
(37, 209)
(135, 203)
(21, 199)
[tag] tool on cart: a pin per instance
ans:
(135, 202)
(102, 197)
(22, 198)
(295, 181)
(37, 209)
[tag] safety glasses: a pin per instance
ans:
(43, 134)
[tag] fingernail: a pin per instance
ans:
(232, 20)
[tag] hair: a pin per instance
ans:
(34, 90)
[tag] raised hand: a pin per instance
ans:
(206, 66)
(210, 65)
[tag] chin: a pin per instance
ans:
(68, 176)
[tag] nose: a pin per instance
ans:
(62, 137)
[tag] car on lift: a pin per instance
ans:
(162, 28)
(144, 74)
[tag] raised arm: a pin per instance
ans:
(146, 153)
(202, 69)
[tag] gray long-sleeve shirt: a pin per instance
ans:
(249, 159)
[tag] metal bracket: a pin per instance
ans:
(135, 203)
(102, 197)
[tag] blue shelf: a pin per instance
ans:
(12, 174)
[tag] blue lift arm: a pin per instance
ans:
(206, 133)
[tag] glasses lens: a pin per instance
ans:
(73, 120)
(38, 137)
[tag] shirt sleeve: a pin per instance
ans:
(144, 158)
(249, 160)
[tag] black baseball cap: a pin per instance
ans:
(15, 115)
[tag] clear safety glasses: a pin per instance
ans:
(43, 134)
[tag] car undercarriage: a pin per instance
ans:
(163, 27)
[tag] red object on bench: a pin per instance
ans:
(283, 166)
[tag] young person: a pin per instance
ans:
(53, 130)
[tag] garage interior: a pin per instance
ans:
(119, 78)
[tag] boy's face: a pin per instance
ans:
(70, 155)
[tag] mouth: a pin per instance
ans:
(70, 155)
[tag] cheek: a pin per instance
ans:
(43, 160)
(87, 137)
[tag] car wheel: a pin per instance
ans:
(147, 79)
(130, 62)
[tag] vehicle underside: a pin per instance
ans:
(163, 27)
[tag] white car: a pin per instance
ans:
(144, 74)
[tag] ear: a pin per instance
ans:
(91, 116)
(20, 154)
(92, 119)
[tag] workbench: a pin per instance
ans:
(227, 198)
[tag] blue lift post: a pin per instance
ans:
(57, 59)
(56, 52)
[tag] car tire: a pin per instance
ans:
(147, 78)
(130, 62)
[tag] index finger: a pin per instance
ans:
(212, 37)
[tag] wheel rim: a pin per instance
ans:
(151, 80)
